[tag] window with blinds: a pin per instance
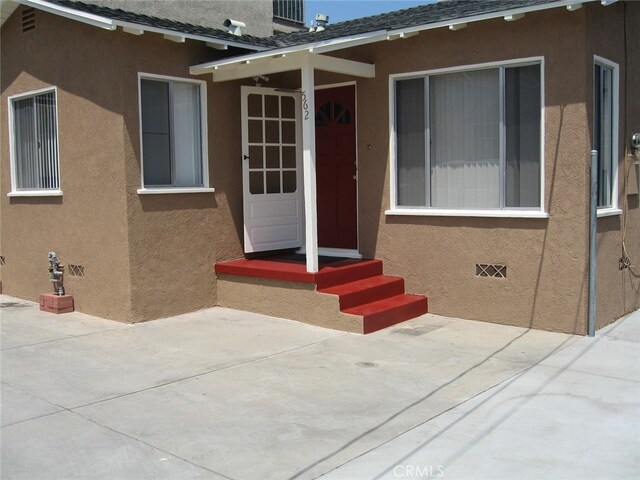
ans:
(35, 142)
(469, 139)
(172, 136)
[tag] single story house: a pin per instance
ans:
(339, 176)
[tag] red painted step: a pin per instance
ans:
(389, 311)
(331, 276)
(366, 290)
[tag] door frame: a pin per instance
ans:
(347, 252)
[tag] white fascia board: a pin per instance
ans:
(172, 33)
(70, 13)
(490, 16)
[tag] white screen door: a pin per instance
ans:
(271, 170)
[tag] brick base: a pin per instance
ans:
(52, 303)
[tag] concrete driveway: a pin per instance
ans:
(227, 394)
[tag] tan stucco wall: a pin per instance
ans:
(618, 291)
(144, 256)
(88, 224)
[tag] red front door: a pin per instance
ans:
(336, 167)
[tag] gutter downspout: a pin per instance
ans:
(593, 230)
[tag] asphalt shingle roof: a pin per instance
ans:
(411, 17)
(432, 13)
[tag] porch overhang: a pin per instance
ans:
(265, 64)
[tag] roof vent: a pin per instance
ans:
(321, 23)
(28, 19)
(234, 27)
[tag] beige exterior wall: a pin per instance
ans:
(145, 256)
(618, 291)
(88, 224)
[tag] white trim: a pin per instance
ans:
(169, 190)
(441, 212)
(335, 85)
(35, 193)
(204, 130)
(609, 212)
(309, 166)
(15, 191)
(473, 67)
(538, 212)
(353, 84)
(339, 252)
(71, 13)
(615, 160)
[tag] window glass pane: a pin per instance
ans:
(289, 132)
(604, 98)
(288, 107)
(254, 103)
(255, 157)
(272, 131)
(46, 135)
(288, 157)
(255, 131)
(522, 130)
(271, 107)
(25, 143)
(273, 182)
(186, 135)
(273, 157)
(156, 143)
(288, 181)
(465, 140)
(256, 182)
(410, 140)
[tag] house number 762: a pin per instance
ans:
(305, 106)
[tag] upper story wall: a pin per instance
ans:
(257, 14)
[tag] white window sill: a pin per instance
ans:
(609, 212)
(162, 190)
(467, 213)
(35, 193)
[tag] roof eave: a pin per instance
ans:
(381, 35)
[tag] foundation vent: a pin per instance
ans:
(494, 270)
(76, 270)
(28, 19)
(1, 261)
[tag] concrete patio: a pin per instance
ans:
(227, 394)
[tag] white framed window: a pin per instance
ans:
(605, 132)
(173, 134)
(469, 140)
(33, 132)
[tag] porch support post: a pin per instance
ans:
(309, 165)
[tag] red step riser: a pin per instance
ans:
(372, 294)
(348, 274)
(378, 321)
